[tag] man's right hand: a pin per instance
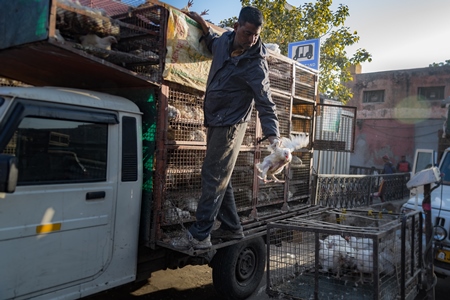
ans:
(274, 141)
(198, 18)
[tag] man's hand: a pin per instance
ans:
(274, 141)
(198, 18)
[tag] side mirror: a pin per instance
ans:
(8, 173)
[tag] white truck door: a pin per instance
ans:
(56, 229)
(423, 159)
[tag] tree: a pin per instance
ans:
(285, 24)
(441, 64)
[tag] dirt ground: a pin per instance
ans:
(190, 282)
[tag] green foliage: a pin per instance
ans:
(441, 64)
(285, 24)
(228, 22)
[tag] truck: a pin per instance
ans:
(440, 212)
(101, 150)
(425, 159)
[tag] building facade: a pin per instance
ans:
(397, 112)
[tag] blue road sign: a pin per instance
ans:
(305, 52)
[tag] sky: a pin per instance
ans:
(400, 34)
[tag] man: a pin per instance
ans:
(385, 184)
(238, 78)
(388, 167)
(403, 165)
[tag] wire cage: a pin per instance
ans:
(305, 84)
(127, 36)
(338, 254)
(280, 74)
(335, 128)
(242, 180)
(182, 185)
(185, 118)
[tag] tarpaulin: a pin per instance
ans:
(188, 60)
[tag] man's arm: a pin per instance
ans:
(197, 18)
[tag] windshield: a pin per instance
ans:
(445, 169)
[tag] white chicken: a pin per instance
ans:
(364, 263)
(280, 156)
(92, 40)
(343, 250)
(335, 240)
(361, 243)
(58, 36)
(328, 259)
(173, 113)
(336, 254)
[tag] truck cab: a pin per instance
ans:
(75, 156)
(440, 207)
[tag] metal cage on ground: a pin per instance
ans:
(337, 254)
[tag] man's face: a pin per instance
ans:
(246, 35)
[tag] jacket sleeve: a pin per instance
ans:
(209, 39)
(260, 85)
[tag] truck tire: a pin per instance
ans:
(239, 268)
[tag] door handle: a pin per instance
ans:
(95, 195)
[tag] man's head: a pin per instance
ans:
(403, 158)
(247, 28)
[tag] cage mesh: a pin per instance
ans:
(299, 177)
(242, 180)
(250, 134)
(185, 117)
(331, 254)
(138, 32)
(280, 74)
(283, 105)
(304, 84)
(183, 185)
(335, 128)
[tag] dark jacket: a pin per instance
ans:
(388, 168)
(235, 83)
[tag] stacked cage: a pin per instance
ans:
(184, 148)
(10, 82)
(293, 90)
(338, 254)
(128, 37)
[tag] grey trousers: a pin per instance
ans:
(217, 199)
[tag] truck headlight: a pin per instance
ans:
(440, 233)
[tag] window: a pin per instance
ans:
(59, 151)
(373, 96)
(431, 93)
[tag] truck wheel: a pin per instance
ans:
(239, 268)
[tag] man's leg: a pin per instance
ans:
(222, 151)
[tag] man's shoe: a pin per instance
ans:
(187, 241)
(222, 234)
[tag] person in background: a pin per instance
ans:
(238, 78)
(403, 165)
(388, 167)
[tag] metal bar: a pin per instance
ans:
(403, 259)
